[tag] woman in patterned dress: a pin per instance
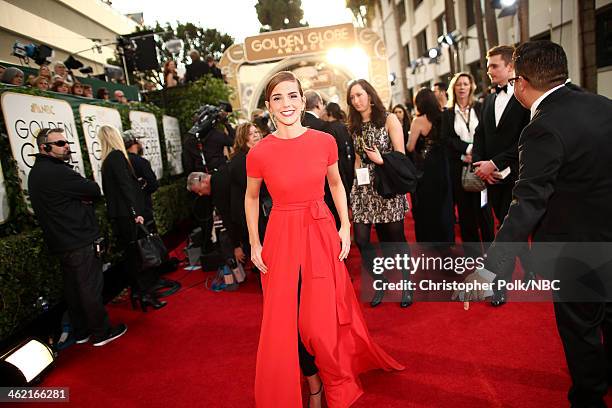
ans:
(375, 132)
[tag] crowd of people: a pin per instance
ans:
(285, 183)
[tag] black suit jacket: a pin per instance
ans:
(311, 121)
(196, 70)
(564, 190)
(500, 143)
(123, 195)
(346, 153)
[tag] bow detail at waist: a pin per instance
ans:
(317, 208)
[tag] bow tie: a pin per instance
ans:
(499, 89)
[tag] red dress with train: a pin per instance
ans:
(301, 238)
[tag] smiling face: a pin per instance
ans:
(360, 100)
(286, 103)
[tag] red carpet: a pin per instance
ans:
(199, 351)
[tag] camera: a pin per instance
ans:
(208, 116)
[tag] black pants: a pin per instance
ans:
(203, 214)
(307, 360)
(391, 233)
(586, 332)
(500, 197)
(475, 222)
(83, 284)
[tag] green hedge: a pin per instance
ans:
(27, 270)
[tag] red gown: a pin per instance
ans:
(301, 237)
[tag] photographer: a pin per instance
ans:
(217, 186)
(63, 203)
(203, 151)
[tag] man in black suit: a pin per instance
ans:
(314, 111)
(563, 193)
(197, 69)
(495, 146)
(63, 203)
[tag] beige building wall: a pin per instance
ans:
(67, 26)
(544, 18)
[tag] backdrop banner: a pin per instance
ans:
(174, 148)
(24, 116)
(144, 125)
(92, 117)
(4, 204)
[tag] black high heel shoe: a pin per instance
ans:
(315, 393)
(378, 294)
(406, 298)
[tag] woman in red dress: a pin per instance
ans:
(306, 286)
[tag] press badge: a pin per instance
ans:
(363, 176)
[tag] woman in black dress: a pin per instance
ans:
(247, 136)
(432, 203)
(125, 207)
(405, 119)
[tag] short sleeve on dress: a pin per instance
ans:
(332, 150)
(253, 164)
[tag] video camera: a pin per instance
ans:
(207, 117)
(41, 54)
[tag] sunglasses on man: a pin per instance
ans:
(59, 143)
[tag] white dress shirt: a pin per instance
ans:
(465, 129)
(501, 101)
(537, 102)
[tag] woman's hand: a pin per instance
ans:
(345, 236)
(374, 155)
(239, 255)
(139, 220)
(257, 259)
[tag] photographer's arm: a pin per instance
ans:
(251, 209)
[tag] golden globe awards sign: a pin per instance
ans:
(4, 204)
(24, 116)
(144, 126)
(174, 148)
(92, 117)
(300, 41)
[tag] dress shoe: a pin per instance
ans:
(499, 298)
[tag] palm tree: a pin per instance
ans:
(401, 51)
(482, 46)
(451, 25)
(491, 22)
(523, 19)
(588, 73)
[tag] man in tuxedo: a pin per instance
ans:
(563, 193)
(496, 138)
(314, 111)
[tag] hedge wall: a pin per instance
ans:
(27, 270)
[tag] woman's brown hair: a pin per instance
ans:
(378, 117)
(242, 138)
(279, 77)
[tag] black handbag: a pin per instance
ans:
(470, 181)
(151, 249)
(397, 175)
